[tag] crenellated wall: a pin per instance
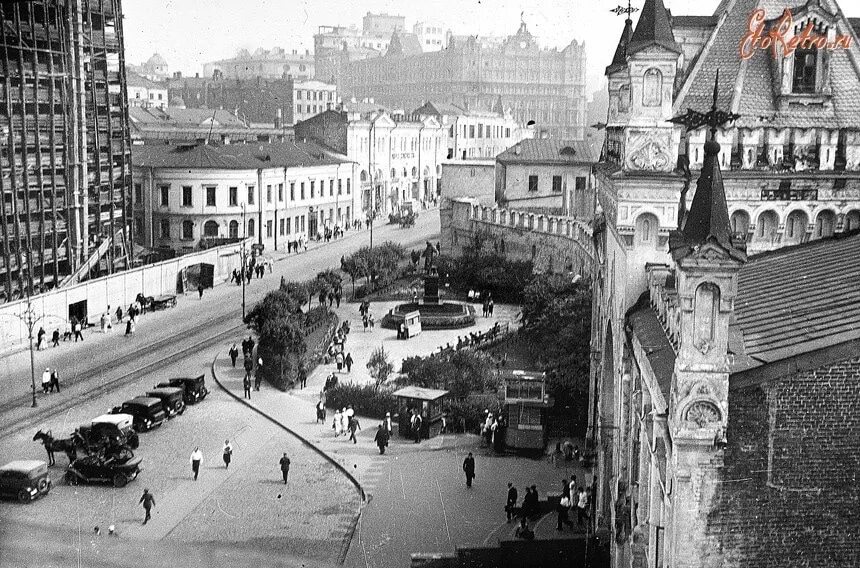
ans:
(553, 243)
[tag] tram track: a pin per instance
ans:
(104, 383)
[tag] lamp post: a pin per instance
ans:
(29, 319)
(242, 255)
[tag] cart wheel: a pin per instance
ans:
(24, 496)
(119, 480)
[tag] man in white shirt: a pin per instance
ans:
(46, 379)
(196, 458)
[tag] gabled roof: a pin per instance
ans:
(234, 156)
(183, 117)
(619, 60)
(440, 109)
(754, 96)
(799, 299)
(653, 29)
(547, 151)
(403, 43)
(135, 80)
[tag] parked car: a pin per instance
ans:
(24, 480)
(110, 429)
(116, 469)
(147, 413)
(171, 400)
(194, 388)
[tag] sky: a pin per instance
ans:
(189, 33)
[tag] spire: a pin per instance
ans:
(620, 58)
(653, 29)
(708, 219)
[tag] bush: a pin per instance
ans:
(505, 278)
(366, 400)
(467, 415)
(462, 373)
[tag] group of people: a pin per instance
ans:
(252, 268)
(248, 364)
(300, 242)
(50, 380)
(366, 317)
(573, 499)
(492, 430)
(345, 422)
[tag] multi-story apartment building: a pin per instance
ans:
(474, 134)
(191, 197)
(145, 93)
(66, 173)
(544, 86)
(268, 64)
(433, 36)
(310, 98)
(398, 156)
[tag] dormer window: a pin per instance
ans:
(805, 71)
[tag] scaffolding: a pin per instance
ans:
(65, 176)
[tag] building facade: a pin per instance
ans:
(398, 157)
(546, 87)
(476, 134)
(187, 198)
(433, 36)
(272, 63)
(66, 173)
(145, 93)
(171, 125)
(553, 176)
(310, 98)
(688, 415)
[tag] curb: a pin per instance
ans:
(351, 532)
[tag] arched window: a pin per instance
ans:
(795, 227)
(740, 222)
(210, 229)
(652, 90)
(363, 175)
(768, 223)
(393, 173)
(624, 98)
(187, 229)
(824, 224)
(414, 171)
(646, 229)
(534, 251)
(706, 310)
(502, 246)
(234, 229)
(852, 220)
(250, 227)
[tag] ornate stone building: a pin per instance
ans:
(716, 330)
(540, 85)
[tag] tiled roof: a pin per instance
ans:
(362, 107)
(441, 109)
(661, 356)
(754, 97)
(693, 21)
(547, 150)
(653, 29)
(234, 156)
(798, 299)
(855, 23)
(619, 60)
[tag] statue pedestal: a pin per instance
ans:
(431, 289)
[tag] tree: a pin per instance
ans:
(379, 365)
(276, 305)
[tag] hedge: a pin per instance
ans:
(366, 400)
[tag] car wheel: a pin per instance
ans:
(181, 412)
(43, 486)
(24, 496)
(119, 480)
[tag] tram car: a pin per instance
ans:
(525, 408)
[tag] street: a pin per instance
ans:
(247, 507)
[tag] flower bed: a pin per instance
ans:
(447, 315)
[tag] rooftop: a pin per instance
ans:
(653, 29)
(420, 393)
(172, 116)
(548, 151)
(234, 156)
(135, 80)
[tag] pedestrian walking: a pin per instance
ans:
(364, 322)
(336, 423)
(320, 412)
(148, 503)
(339, 360)
(40, 337)
(55, 338)
(234, 354)
(344, 421)
(381, 438)
(248, 365)
(200, 290)
(285, 467)
(353, 426)
(227, 454)
(196, 458)
(119, 314)
(370, 321)
(565, 488)
(348, 362)
(416, 427)
(581, 506)
(129, 326)
(246, 384)
(387, 423)
(469, 469)
(302, 376)
(46, 380)
(55, 380)
(259, 376)
(511, 503)
(562, 510)
(490, 304)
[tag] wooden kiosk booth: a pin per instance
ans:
(428, 402)
(525, 407)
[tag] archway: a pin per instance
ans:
(740, 222)
(852, 220)
(825, 224)
(795, 227)
(768, 223)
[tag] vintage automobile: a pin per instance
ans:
(147, 413)
(24, 480)
(118, 469)
(171, 400)
(194, 388)
(109, 429)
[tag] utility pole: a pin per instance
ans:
(29, 319)
(242, 260)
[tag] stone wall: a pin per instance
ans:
(789, 494)
(553, 243)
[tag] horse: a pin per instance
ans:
(52, 445)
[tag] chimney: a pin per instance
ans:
(295, 52)
(197, 75)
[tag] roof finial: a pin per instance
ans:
(714, 118)
(629, 10)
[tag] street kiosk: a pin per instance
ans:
(427, 402)
(525, 406)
